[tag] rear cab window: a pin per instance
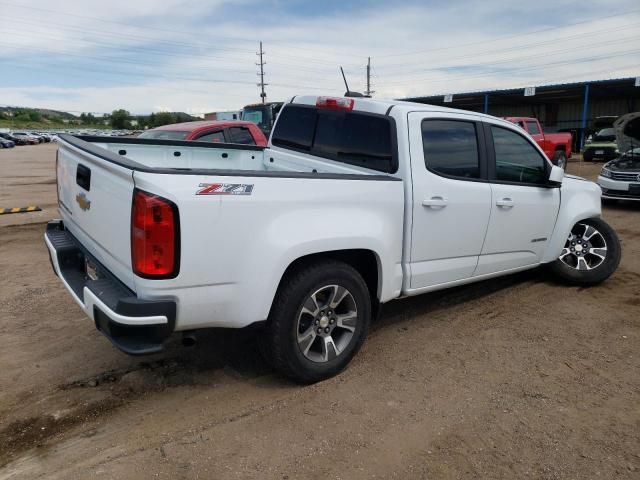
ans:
(354, 138)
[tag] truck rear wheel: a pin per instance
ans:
(591, 253)
(318, 321)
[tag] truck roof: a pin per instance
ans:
(385, 106)
(520, 119)
(197, 125)
(266, 104)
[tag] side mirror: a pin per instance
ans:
(556, 176)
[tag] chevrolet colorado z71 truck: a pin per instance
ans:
(556, 146)
(354, 202)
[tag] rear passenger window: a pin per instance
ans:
(356, 139)
(359, 139)
(215, 137)
(451, 148)
(241, 135)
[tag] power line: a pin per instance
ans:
(512, 48)
(506, 37)
(140, 38)
(521, 69)
(180, 32)
(548, 53)
(83, 69)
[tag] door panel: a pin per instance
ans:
(522, 220)
(523, 210)
(450, 213)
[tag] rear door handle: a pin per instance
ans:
(505, 203)
(436, 201)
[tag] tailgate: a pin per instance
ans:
(94, 197)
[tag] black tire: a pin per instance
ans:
(587, 157)
(560, 159)
(600, 272)
(280, 339)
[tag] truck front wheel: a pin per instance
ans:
(590, 255)
(318, 321)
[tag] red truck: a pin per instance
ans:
(216, 131)
(556, 146)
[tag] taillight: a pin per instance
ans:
(154, 236)
(335, 103)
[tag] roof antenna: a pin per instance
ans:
(349, 93)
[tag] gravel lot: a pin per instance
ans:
(519, 377)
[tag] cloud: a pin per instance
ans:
(199, 56)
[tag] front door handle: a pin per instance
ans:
(505, 203)
(436, 201)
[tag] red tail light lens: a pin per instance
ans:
(335, 103)
(154, 236)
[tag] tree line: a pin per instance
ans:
(122, 119)
(119, 119)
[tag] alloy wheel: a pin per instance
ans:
(326, 323)
(585, 248)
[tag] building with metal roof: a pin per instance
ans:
(567, 107)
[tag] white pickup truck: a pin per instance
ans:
(355, 202)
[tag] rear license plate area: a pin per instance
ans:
(599, 152)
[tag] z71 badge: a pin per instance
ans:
(225, 189)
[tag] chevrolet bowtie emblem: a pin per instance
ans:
(85, 204)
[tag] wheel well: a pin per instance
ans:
(364, 261)
(561, 148)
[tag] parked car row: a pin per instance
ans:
(9, 140)
(5, 143)
(103, 132)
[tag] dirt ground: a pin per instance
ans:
(519, 377)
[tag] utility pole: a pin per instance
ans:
(368, 92)
(263, 95)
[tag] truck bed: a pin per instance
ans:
(245, 213)
(140, 154)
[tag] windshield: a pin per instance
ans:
(260, 115)
(605, 135)
(164, 135)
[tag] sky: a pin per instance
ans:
(199, 56)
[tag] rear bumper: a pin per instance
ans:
(135, 326)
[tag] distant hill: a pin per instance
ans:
(22, 117)
(57, 114)
(45, 112)
(184, 117)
